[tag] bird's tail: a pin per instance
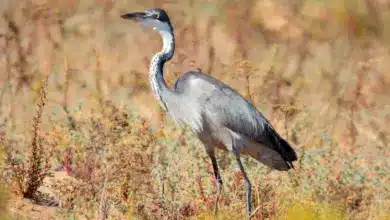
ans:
(285, 149)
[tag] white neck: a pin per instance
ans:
(156, 77)
(168, 44)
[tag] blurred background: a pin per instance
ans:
(82, 136)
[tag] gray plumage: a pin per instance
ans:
(216, 113)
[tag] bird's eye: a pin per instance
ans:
(156, 15)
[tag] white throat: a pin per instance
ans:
(168, 41)
(166, 33)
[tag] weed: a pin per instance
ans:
(36, 171)
(28, 175)
(4, 191)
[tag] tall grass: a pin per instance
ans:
(4, 190)
(28, 174)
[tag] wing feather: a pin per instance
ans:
(230, 109)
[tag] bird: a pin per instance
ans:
(217, 114)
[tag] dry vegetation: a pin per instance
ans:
(98, 146)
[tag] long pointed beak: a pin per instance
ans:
(134, 16)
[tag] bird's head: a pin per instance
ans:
(155, 18)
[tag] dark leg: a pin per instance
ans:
(248, 185)
(217, 178)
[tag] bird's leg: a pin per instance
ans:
(248, 184)
(217, 178)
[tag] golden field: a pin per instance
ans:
(82, 136)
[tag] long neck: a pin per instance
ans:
(156, 76)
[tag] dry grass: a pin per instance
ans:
(317, 69)
(27, 175)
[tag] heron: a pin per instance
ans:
(217, 114)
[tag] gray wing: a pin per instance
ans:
(230, 109)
